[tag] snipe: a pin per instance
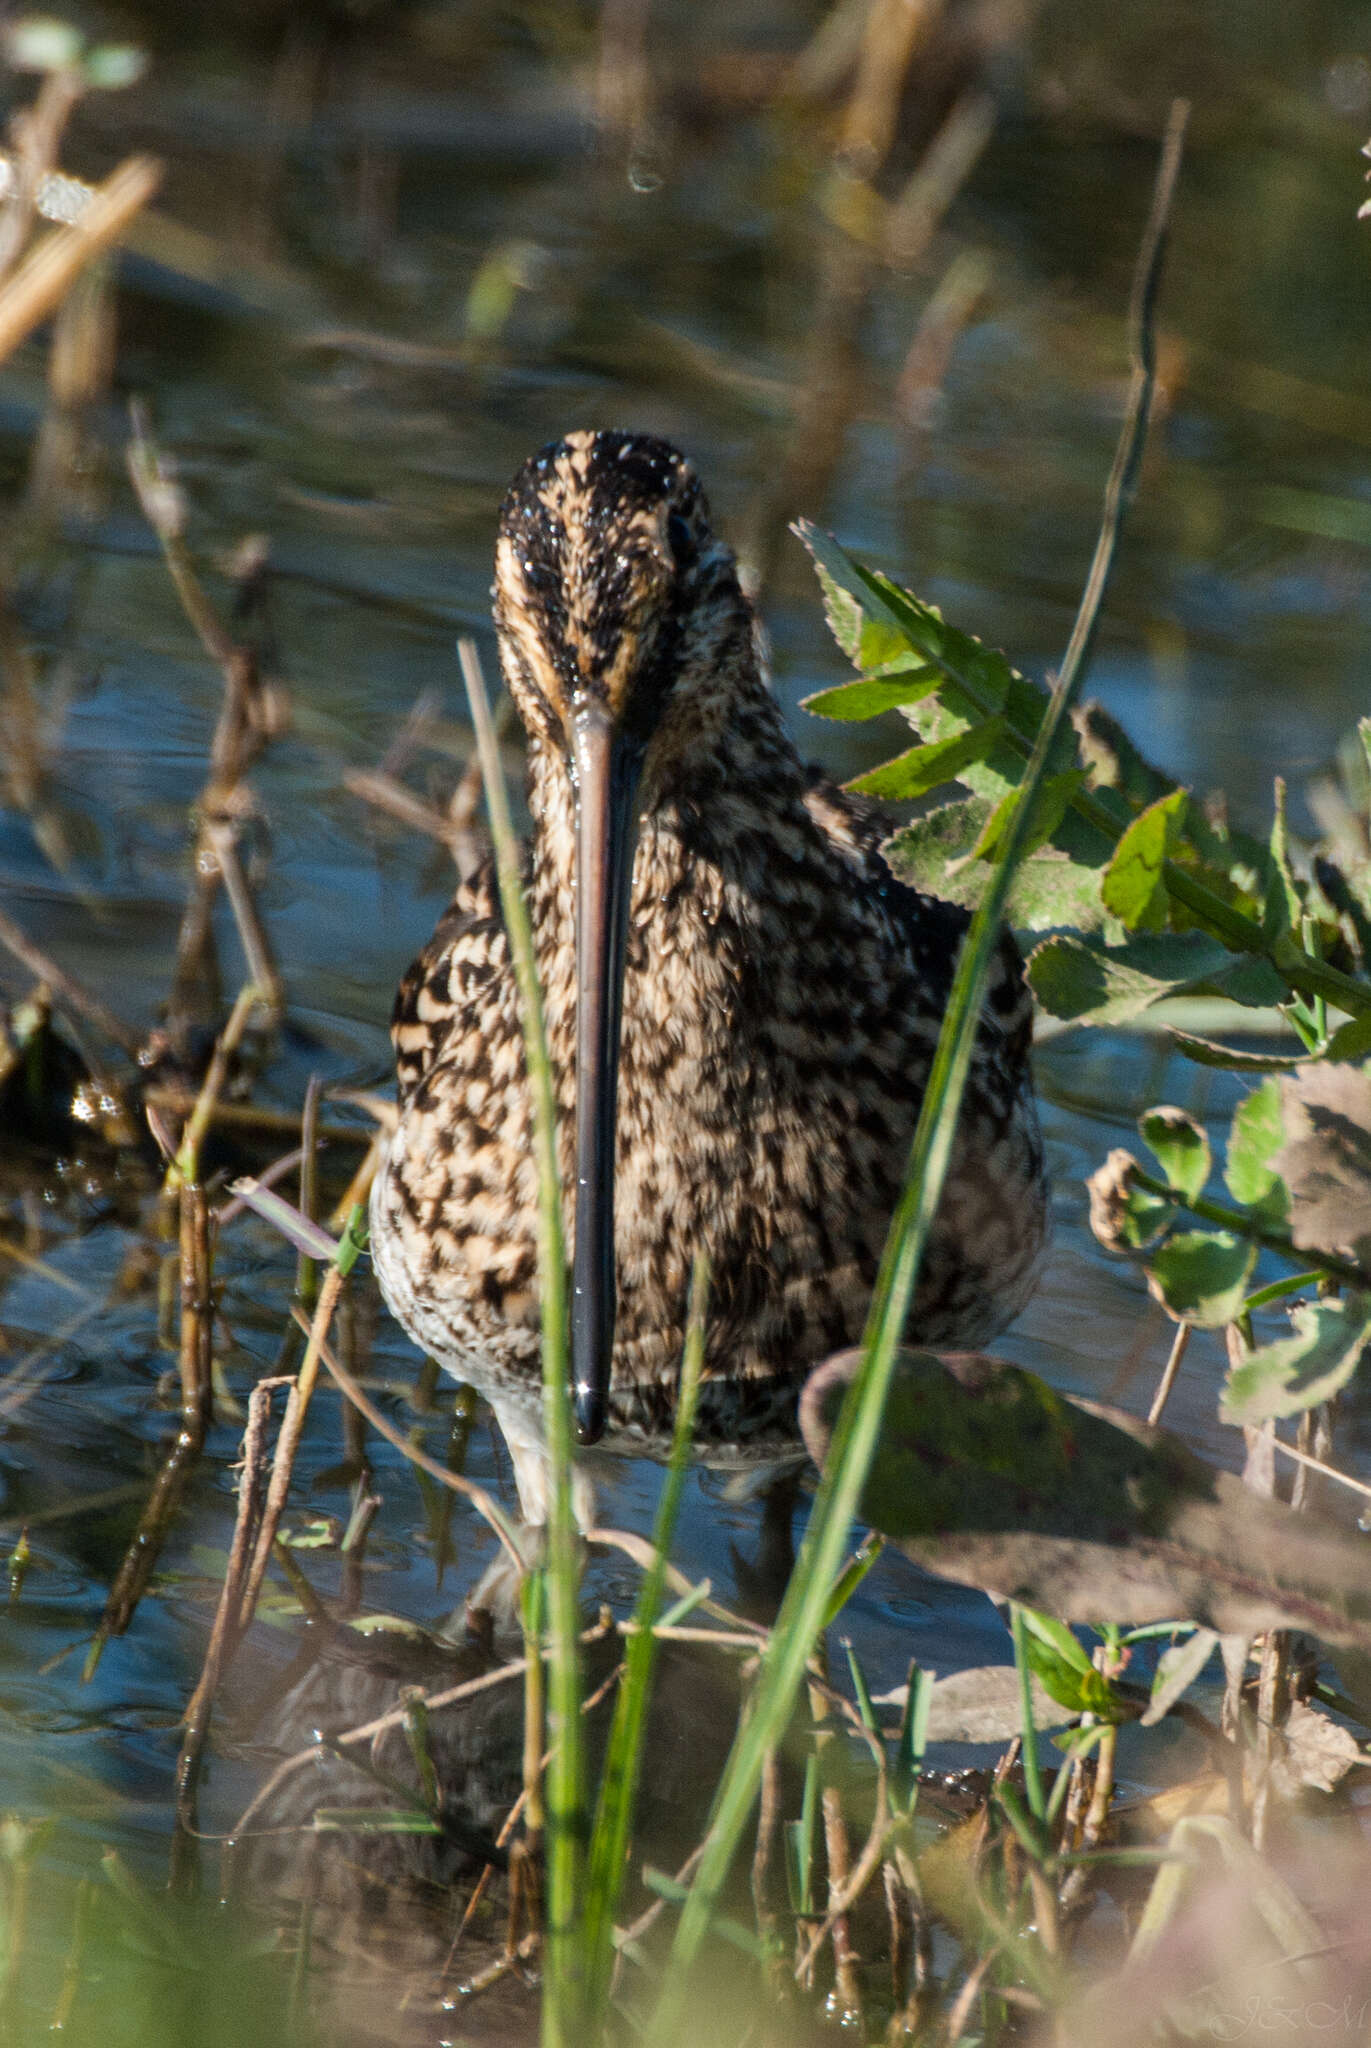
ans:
(742, 1004)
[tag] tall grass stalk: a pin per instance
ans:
(564, 1984)
(854, 1439)
(623, 1756)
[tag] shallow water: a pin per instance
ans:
(341, 380)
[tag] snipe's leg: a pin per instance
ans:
(493, 1601)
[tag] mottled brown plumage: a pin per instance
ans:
(782, 995)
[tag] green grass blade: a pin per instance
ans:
(1032, 1776)
(564, 1978)
(623, 1757)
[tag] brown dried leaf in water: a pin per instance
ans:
(1326, 1159)
(1318, 1751)
(985, 1475)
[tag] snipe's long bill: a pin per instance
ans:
(741, 1002)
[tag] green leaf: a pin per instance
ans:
(865, 608)
(1206, 1052)
(1057, 1637)
(1064, 1669)
(1351, 1041)
(1056, 1676)
(914, 773)
(1201, 1276)
(851, 595)
(1134, 886)
(1256, 1136)
(1283, 907)
(1081, 979)
(1177, 1669)
(306, 1235)
(868, 699)
(841, 607)
(1049, 808)
(1180, 1145)
(1050, 889)
(1287, 1377)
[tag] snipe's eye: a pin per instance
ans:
(681, 538)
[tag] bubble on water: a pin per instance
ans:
(643, 176)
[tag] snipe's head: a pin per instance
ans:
(612, 592)
(623, 633)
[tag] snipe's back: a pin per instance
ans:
(781, 997)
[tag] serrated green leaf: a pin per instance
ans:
(1256, 1136)
(1049, 808)
(841, 607)
(1050, 889)
(1180, 1145)
(867, 699)
(1080, 979)
(851, 596)
(914, 773)
(1287, 1377)
(883, 650)
(1201, 1276)
(978, 681)
(1134, 888)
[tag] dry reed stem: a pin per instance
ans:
(835, 373)
(222, 841)
(455, 828)
(48, 271)
(942, 322)
(131, 1579)
(1168, 1379)
(250, 716)
(764, 1849)
(842, 1898)
(642, 1553)
(1309, 1463)
(847, 1982)
(250, 1116)
(960, 2013)
(484, 1504)
(892, 36)
(66, 991)
(225, 1634)
(947, 163)
(36, 133)
(288, 1442)
(186, 1165)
